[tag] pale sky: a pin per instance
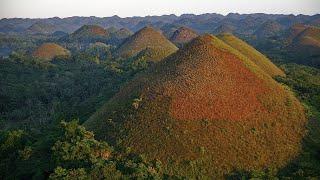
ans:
(127, 8)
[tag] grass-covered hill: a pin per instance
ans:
(308, 37)
(268, 29)
(146, 38)
(255, 56)
(294, 31)
(205, 111)
(122, 33)
(87, 34)
(224, 28)
(183, 35)
(306, 46)
(119, 35)
(41, 28)
(90, 30)
(49, 51)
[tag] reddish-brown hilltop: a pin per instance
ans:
(183, 35)
(146, 38)
(205, 111)
(90, 30)
(49, 51)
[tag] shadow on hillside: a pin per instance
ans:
(306, 165)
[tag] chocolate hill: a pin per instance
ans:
(88, 34)
(204, 111)
(306, 46)
(183, 35)
(268, 29)
(224, 28)
(122, 33)
(49, 51)
(41, 28)
(90, 30)
(255, 56)
(308, 37)
(294, 31)
(119, 35)
(143, 39)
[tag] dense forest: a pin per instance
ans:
(43, 104)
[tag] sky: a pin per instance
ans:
(128, 8)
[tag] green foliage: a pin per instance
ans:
(35, 94)
(79, 155)
(61, 173)
(78, 148)
(304, 81)
(13, 149)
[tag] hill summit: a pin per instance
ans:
(204, 110)
(49, 51)
(183, 35)
(88, 34)
(146, 38)
(90, 30)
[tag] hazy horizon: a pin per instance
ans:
(127, 8)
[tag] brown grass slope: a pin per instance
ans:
(49, 51)
(255, 56)
(294, 31)
(146, 38)
(305, 47)
(90, 30)
(225, 28)
(204, 111)
(183, 35)
(309, 37)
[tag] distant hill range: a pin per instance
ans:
(243, 23)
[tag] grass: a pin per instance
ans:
(255, 56)
(146, 38)
(183, 35)
(49, 51)
(205, 111)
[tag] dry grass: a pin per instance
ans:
(294, 31)
(255, 56)
(205, 111)
(90, 30)
(309, 37)
(143, 39)
(49, 51)
(183, 35)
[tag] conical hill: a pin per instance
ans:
(206, 110)
(183, 35)
(49, 51)
(146, 38)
